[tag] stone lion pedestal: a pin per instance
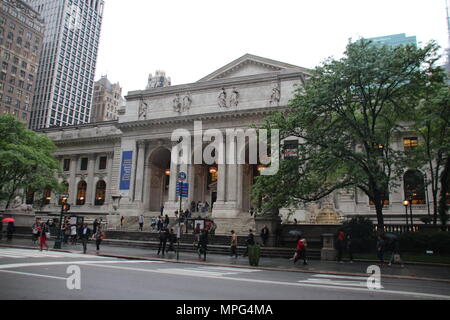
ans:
(273, 221)
(328, 252)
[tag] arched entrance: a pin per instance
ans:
(159, 164)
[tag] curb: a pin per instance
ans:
(236, 266)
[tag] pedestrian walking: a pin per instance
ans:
(203, 244)
(264, 235)
(44, 234)
(300, 250)
(95, 226)
(66, 232)
(141, 222)
(73, 234)
(163, 236)
(340, 246)
(250, 241)
(212, 231)
(166, 221)
(10, 229)
(193, 206)
(380, 249)
(162, 210)
(197, 232)
(234, 243)
(395, 255)
(122, 220)
(35, 230)
(159, 224)
(85, 234)
(349, 248)
(99, 236)
(172, 239)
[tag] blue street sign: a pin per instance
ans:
(182, 176)
(184, 187)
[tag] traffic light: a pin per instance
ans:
(66, 207)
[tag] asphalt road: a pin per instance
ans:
(31, 274)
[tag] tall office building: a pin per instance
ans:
(21, 33)
(394, 40)
(65, 79)
(107, 100)
(158, 81)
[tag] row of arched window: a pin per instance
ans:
(100, 194)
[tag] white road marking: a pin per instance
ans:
(337, 280)
(33, 274)
(30, 253)
(295, 284)
(58, 263)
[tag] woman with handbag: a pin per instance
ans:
(44, 235)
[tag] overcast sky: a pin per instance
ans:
(192, 38)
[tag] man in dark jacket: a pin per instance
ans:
(250, 241)
(202, 244)
(84, 234)
(264, 235)
(163, 236)
(10, 229)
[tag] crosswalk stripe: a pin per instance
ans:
(337, 281)
(27, 253)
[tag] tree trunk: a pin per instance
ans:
(445, 188)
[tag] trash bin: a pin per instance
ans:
(254, 252)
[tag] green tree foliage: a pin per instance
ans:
(432, 122)
(345, 118)
(26, 160)
(361, 231)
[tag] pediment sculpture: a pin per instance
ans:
(143, 110)
(187, 101)
(234, 98)
(177, 105)
(275, 96)
(222, 99)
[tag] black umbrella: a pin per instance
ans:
(297, 233)
(390, 236)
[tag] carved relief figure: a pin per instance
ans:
(143, 109)
(222, 99)
(275, 96)
(177, 104)
(234, 98)
(187, 101)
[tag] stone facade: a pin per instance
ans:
(140, 176)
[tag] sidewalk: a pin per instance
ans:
(415, 272)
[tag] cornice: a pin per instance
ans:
(125, 126)
(83, 140)
(217, 84)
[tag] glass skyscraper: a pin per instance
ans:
(394, 40)
(65, 79)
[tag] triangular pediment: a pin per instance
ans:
(249, 65)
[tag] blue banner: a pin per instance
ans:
(184, 189)
(125, 170)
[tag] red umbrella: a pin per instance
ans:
(8, 220)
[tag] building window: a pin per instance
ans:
(66, 165)
(81, 193)
(385, 200)
(47, 196)
(414, 187)
(410, 143)
(29, 197)
(290, 149)
(102, 164)
(100, 192)
(84, 164)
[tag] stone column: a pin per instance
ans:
(90, 187)
(147, 184)
(191, 181)
(108, 199)
(173, 181)
(139, 171)
(72, 180)
(221, 182)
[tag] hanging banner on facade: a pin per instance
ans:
(125, 170)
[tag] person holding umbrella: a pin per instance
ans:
(10, 229)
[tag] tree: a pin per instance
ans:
(345, 119)
(26, 160)
(432, 123)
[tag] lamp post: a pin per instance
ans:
(406, 203)
(64, 207)
(410, 212)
